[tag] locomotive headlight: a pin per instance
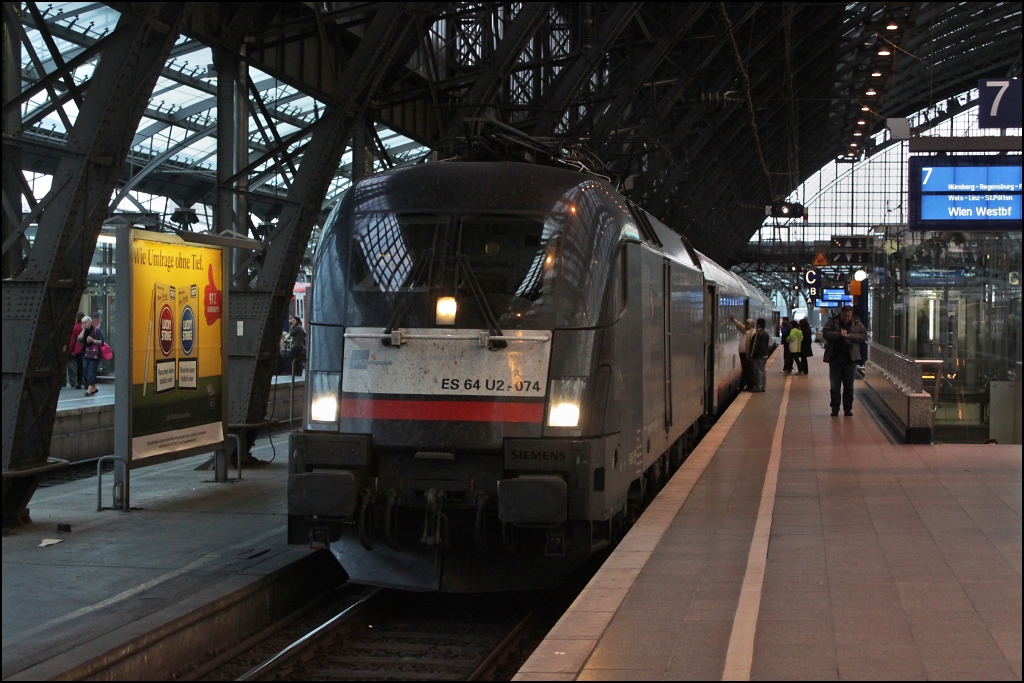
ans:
(323, 397)
(564, 400)
(324, 409)
(446, 308)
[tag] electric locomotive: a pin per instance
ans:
(503, 360)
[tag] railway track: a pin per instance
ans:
(380, 634)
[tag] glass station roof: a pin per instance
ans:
(847, 196)
(178, 130)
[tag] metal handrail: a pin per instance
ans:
(291, 393)
(907, 371)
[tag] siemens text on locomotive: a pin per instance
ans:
(501, 358)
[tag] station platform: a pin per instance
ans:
(792, 545)
(169, 568)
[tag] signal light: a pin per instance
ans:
(784, 210)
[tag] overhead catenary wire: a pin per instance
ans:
(749, 96)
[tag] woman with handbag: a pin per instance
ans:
(91, 340)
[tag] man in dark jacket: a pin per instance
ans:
(843, 336)
(787, 356)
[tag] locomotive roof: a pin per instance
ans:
(471, 186)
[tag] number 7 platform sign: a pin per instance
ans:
(999, 103)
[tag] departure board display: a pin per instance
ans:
(965, 193)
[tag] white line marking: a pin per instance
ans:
(740, 656)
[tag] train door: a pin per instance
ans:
(654, 351)
(710, 339)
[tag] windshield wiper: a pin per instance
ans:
(485, 308)
(403, 303)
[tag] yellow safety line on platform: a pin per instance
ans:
(740, 655)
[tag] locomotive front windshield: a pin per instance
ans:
(397, 265)
(480, 242)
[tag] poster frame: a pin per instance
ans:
(123, 410)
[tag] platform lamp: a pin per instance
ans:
(185, 217)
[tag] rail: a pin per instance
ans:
(264, 670)
(907, 372)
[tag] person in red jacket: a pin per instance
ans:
(76, 373)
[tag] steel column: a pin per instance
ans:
(40, 303)
(13, 257)
(257, 314)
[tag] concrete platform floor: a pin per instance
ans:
(118, 575)
(793, 545)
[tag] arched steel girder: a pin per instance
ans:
(653, 126)
(181, 116)
(157, 161)
(776, 141)
(918, 84)
(40, 301)
(495, 72)
(389, 39)
(653, 123)
(571, 78)
(638, 77)
(677, 141)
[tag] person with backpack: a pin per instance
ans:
(760, 347)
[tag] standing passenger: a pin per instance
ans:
(91, 339)
(759, 348)
(843, 336)
(805, 348)
(787, 356)
(76, 374)
(744, 344)
(794, 344)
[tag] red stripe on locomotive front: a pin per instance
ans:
(455, 411)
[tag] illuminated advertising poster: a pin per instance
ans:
(176, 346)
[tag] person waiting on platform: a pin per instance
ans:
(805, 346)
(787, 355)
(91, 340)
(747, 329)
(760, 346)
(794, 344)
(76, 370)
(843, 336)
(295, 347)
